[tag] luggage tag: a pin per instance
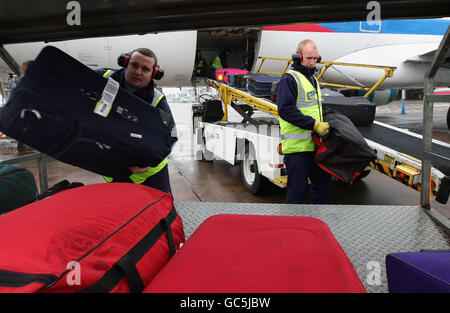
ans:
(104, 105)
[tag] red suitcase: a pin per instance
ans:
(97, 238)
(222, 74)
(259, 254)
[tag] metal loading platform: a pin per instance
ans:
(367, 234)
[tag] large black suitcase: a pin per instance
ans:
(358, 109)
(261, 85)
(53, 109)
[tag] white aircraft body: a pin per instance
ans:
(408, 45)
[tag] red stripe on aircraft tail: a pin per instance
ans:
(442, 92)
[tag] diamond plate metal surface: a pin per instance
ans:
(366, 233)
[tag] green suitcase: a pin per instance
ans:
(17, 187)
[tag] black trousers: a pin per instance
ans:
(301, 166)
(158, 181)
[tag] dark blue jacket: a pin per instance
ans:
(223, 59)
(145, 93)
(287, 93)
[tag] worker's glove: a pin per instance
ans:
(322, 128)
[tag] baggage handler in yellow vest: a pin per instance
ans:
(221, 60)
(299, 103)
(137, 77)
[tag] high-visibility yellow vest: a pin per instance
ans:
(141, 177)
(309, 102)
(200, 64)
(216, 64)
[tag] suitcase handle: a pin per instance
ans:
(36, 112)
(171, 242)
(127, 265)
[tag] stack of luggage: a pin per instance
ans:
(260, 85)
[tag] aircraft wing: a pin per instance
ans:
(47, 20)
(428, 57)
(411, 61)
(392, 54)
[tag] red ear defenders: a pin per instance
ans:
(124, 58)
(297, 58)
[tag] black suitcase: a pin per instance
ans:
(261, 85)
(240, 81)
(52, 110)
(358, 109)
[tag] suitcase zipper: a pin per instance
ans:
(16, 279)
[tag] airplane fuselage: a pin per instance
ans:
(407, 45)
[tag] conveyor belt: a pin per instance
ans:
(406, 143)
(366, 233)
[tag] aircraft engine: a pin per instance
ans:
(381, 97)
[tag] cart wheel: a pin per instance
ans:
(253, 181)
(205, 97)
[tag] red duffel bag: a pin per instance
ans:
(231, 253)
(98, 238)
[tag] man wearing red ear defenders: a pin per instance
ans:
(299, 102)
(139, 69)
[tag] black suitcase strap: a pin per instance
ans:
(129, 269)
(126, 266)
(15, 279)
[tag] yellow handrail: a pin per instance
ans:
(229, 94)
(388, 72)
(263, 59)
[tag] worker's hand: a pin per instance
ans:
(322, 128)
(138, 170)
